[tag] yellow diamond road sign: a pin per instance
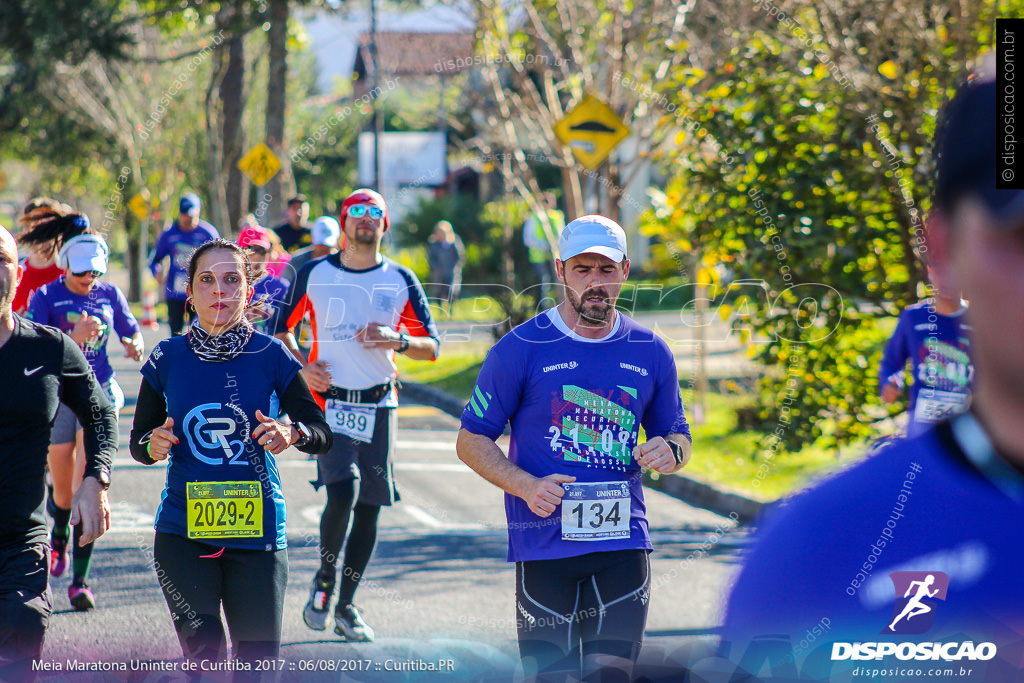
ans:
(592, 130)
(138, 206)
(260, 164)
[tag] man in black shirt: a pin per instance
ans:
(294, 233)
(41, 367)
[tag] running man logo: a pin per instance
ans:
(914, 612)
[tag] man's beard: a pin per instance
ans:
(592, 314)
(6, 295)
(365, 236)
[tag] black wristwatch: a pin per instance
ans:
(404, 339)
(305, 435)
(102, 476)
(677, 451)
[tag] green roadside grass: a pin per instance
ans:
(453, 372)
(722, 455)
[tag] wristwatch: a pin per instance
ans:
(677, 451)
(404, 339)
(305, 435)
(102, 476)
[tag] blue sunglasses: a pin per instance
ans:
(359, 210)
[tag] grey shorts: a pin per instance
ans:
(65, 425)
(370, 463)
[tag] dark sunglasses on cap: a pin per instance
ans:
(359, 210)
(95, 273)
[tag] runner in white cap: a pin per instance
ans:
(576, 383)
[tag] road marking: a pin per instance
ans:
(421, 515)
(128, 517)
(426, 445)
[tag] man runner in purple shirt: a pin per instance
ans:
(577, 382)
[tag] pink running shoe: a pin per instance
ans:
(81, 597)
(58, 557)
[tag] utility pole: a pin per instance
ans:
(378, 119)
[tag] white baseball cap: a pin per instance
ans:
(84, 253)
(326, 231)
(593, 234)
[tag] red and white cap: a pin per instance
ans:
(366, 196)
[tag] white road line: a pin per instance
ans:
(421, 515)
(426, 445)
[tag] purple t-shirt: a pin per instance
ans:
(576, 407)
(938, 347)
(56, 305)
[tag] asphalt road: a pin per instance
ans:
(438, 590)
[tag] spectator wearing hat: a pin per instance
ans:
(177, 243)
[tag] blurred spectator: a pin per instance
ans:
(445, 253)
(294, 232)
(535, 231)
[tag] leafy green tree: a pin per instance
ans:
(803, 161)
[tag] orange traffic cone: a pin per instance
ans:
(149, 310)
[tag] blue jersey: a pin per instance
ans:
(938, 347)
(836, 565)
(576, 406)
(179, 244)
(214, 406)
(56, 305)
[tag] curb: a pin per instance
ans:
(680, 486)
(703, 495)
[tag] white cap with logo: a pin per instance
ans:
(593, 234)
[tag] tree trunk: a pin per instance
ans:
(282, 185)
(134, 292)
(232, 97)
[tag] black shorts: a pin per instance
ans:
(370, 463)
(578, 606)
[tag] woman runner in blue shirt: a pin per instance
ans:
(205, 404)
